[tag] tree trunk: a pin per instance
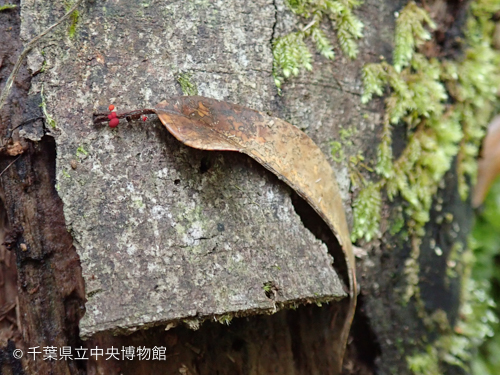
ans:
(126, 238)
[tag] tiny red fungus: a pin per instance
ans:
(114, 123)
(111, 107)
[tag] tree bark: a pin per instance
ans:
(152, 238)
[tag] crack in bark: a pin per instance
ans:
(233, 73)
(321, 84)
(274, 24)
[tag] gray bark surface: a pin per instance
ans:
(167, 233)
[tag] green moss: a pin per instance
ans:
(48, 118)
(420, 92)
(425, 363)
(366, 211)
(80, 151)
(411, 272)
(485, 243)
(445, 107)
(268, 286)
(291, 53)
(137, 202)
(410, 33)
(188, 88)
(44, 66)
(337, 151)
(7, 7)
(456, 346)
(193, 323)
(355, 161)
(346, 134)
(454, 261)
(73, 18)
(398, 223)
(224, 319)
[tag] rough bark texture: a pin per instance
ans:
(164, 232)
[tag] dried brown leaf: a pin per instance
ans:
(14, 149)
(282, 148)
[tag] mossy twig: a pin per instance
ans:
(7, 7)
(27, 49)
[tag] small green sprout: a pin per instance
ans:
(80, 151)
(188, 88)
(7, 7)
(48, 118)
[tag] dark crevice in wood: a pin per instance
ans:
(317, 226)
(364, 338)
(11, 113)
(51, 289)
(7, 359)
(438, 290)
(205, 164)
(363, 348)
(50, 286)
